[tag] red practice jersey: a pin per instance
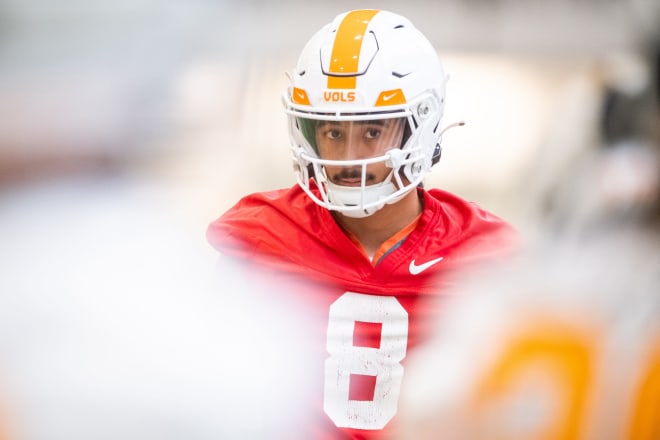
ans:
(358, 319)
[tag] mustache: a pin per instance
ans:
(350, 174)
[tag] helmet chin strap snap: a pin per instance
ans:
(360, 201)
(396, 158)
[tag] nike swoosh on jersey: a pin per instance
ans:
(417, 269)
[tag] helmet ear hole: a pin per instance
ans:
(437, 152)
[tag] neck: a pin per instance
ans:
(374, 230)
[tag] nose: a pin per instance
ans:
(353, 150)
(357, 147)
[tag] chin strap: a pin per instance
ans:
(452, 125)
(438, 149)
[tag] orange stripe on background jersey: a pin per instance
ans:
(346, 50)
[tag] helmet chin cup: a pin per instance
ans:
(361, 201)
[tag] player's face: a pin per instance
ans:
(356, 140)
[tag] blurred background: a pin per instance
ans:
(186, 95)
(127, 126)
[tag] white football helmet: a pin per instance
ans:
(366, 65)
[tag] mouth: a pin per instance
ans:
(351, 178)
(348, 181)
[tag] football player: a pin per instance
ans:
(362, 250)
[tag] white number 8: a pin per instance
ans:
(381, 362)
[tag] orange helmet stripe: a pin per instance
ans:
(346, 50)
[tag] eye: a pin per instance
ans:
(332, 134)
(372, 133)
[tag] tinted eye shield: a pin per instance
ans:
(347, 140)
